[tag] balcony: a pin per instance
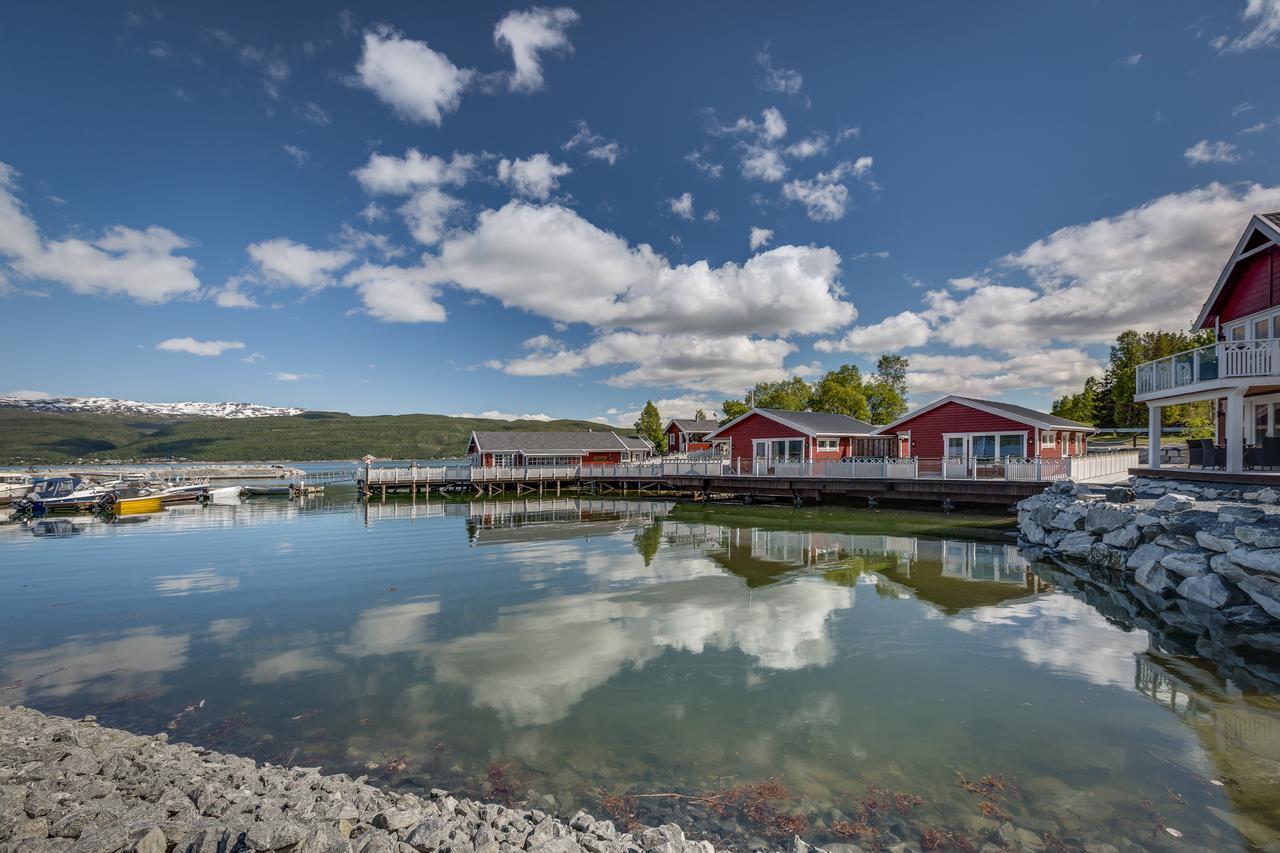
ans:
(1216, 364)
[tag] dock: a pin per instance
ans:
(946, 482)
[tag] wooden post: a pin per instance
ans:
(1153, 435)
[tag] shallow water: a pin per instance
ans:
(556, 652)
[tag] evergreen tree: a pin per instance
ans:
(649, 425)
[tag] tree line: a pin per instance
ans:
(877, 398)
(1107, 401)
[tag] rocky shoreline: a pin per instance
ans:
(72, 786)
(1199, 560)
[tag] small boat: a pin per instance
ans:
(14, 486)
(226, 494)
(260, 491)
(136, 505)
(179, 492)
(61, 493)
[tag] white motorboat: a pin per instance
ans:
(14, 486)
(226, 494)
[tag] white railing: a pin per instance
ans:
(1224, 360)
(1095, 465)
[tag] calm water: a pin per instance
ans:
(555, 652)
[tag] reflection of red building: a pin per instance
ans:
(961, 427)
(686, 436)
(774, 435)
(518, 449)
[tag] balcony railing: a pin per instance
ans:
(1224, 360)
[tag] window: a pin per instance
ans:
(828, 444)
(955, 446)
(1262, 329)
(671, 441)
(1048, 438)
(1236, 332)
(1011, 445)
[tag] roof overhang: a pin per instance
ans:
(1256, 225)
(812, 433)
(974, 404)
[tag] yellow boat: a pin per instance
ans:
(137, 506)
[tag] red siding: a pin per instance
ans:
(1253, 286)
(753, 426)
(927, 430)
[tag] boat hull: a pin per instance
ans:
(137, 506)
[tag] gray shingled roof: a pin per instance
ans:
(1023, 413)
(823, 423)
(690, 425)
(635, 442)
(1273, 218)
(564, 443)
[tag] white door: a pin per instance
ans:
(959, 457)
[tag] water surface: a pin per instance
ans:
(558, 652)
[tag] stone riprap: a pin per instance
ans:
(1204, 566)
(71, 786)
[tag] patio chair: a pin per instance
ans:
(1253, 457)
(1209, 454)
(1270, 452)
(1195, 453)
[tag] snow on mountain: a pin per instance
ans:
(111, 406)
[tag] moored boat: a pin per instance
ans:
(62, 493)
(259, 491)
(137, 505)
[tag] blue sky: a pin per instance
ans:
(567, 210)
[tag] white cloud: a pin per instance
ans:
(426, 213)
(1058, 369)
(684, 406)
(773, 126)
(294, 377)
(810, 147)
(373, 212)
(702, 164)
(900, 331)
(231, 296)
(593, 144)
(1130, 60)
(527, 35)
(314, 113)
(205, 348)
(1264, 18)
(299, 156)
(397, 294)
(386, 174)
(548, 260)
(283, 261)
(1241, 108)
(535, 177)
(420, 84)
(495, 415)
(760, 163)
(783, 80)
(760, 237)
(711, 216)
(1147, 268)
(682, 206)
(825, 197)
(253, 358)
(1205, 151)
(708, 363)
(140, 264)
(357, 241)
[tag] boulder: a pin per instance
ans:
(1146, 519)
(1173, 502)
(1268, 496)
(1258, 536)
(1123, 537)
(1154, 578)
(1264, 591)
(1221, 564)
(1033, 532)
(1214, 541)
(1237, 514)
(1071, 518)
(1106, 557)
(1248, 616)
(1186, 563)
(1208, 590)
(1076, 544)
(1120, 495)
(1103, 518)
(1145, 556)
(1266, 560)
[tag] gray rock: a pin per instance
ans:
(1155, 579)
(1071, 518)
(1173, 502)
(1214, 542)
(1120, 495)
(1186, 563)
(1237, 514)
(1222, 564)
(1103, 518)
(1248, 616)
(1106, 557)
(394, 820)
(1265, 592)
(150, 840)
(1268, 496)
(1145, 556)
(1123, 537)
(1076, 544)
(1208, 590)
(429, 834)
(1262, 560)
(1258, 536)
(1033, 532)
(1146, 519)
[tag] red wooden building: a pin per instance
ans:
(964, 428)
(1240, 372)
(774, 435)
(685, 436)
(503, 449)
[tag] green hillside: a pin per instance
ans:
(34, 437)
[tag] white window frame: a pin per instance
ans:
(1248, 323)
(768, 443)
(827, 443)
(1048, 438)
(968, 442)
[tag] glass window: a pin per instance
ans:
(1261, 418)
(1261, 329)
(1236, 333)
(761, 449)
(1048, 439)
(984, 446)
(1010, 445)
(955, 446)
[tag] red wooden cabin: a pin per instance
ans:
(964, 428)
(513, 449)
(689, 435)
(775, 435)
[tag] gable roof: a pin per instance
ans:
(634, 442)
(809, 423)
(563, 443)
(1267, 224)
(690, 425)
(1013, 412)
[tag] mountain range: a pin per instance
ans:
(112, 406)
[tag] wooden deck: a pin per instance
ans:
(1209, 475)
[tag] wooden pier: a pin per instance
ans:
(867, 481)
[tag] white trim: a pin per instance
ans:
(1256, 223)
(769, 441)
(779, 420)
(998, 434)
(974, 404)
